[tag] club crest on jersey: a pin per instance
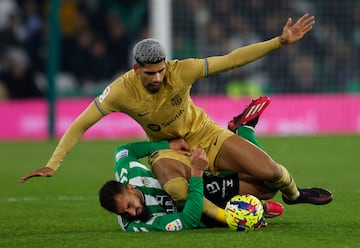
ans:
(104, 94)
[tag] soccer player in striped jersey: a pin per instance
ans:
(138, 198)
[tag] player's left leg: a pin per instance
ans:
(257, 188)
(253, 186)
(239, 155)
(317, 196)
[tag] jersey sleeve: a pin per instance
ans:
(128, 167)
(188, 70)
(193, 69)
(241, 56)
(189, 218)
(73, 134)
(139, 150)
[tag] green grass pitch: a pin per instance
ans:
(63, 211)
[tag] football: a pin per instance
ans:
(244, 213)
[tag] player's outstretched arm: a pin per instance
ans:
(244, 55)
(41, 172)
(292, 33)
(84, 121)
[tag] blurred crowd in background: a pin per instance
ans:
(97, 39)
(325, 61)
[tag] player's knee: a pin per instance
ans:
(278, 172)
(272, 171)
(178, 189)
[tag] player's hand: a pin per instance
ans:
(180, 145)
(199, 162)
(292, 33)
(42, 172)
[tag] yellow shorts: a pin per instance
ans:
(210, 138)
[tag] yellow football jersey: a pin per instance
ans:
(170, 112)
(167, 114)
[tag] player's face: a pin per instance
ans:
(131, 204)
(152, 75)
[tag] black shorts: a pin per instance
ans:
(220, 189)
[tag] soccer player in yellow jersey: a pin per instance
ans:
(156, 93)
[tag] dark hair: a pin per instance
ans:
(107, 194)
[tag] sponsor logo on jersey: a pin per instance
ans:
(176, 117)
(104, 94)
(157, 128)
(175, 225)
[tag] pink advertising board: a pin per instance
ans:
(286, 115)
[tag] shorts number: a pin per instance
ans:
(212, 187)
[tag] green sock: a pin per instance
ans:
(247, 133)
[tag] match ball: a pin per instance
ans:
(244, 213)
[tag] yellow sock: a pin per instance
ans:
(285, 184)
(213, 211)
(178, 189)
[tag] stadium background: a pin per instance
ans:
(96, 39)
(63, 211)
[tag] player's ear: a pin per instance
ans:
(136, 68)
(130, 186)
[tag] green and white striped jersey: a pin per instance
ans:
(129, 170)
